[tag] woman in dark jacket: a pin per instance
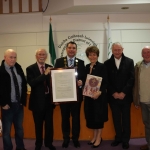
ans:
(95, 107)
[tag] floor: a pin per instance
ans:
(105, 145)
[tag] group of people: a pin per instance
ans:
(121, 84)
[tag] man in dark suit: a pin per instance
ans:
(120, 71)
(13, 92)
(40, 100)
(72, 108)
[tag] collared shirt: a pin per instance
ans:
(39, 65)
(68, 59)
(13, 93)
(146, 64)
(117, 62)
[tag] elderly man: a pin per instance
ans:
(120, 71)
(40, 100)
(142, 92)
(13, 96)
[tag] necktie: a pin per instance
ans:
(45, 85)
(16, 84)
(71, 62)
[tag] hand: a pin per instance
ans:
(79, 82)
(116, 95)
(56, 103)
(136, 106)
(6, 107)
(96, 95)
(0, 126)
(121, 95)
(47, 70)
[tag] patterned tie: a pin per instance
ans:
(16, 84)
(45, 85)
(71, 62)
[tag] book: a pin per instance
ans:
(92, 85)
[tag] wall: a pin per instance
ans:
(27, 32)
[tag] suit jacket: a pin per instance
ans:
(36, 80)
(122, 79)
(63, 63)
(5, 85)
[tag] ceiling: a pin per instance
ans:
(68, 7)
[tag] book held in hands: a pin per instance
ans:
(92, 85)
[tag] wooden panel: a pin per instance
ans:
(10, 6)
(30, 5)
(1, 6)
(20, 6)
(137, 127)
(40, 5)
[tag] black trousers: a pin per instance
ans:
(43, 118)
(72, 109)
(121, 119)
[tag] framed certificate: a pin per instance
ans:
(64, 87)
(92, 85)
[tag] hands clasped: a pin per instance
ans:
(120, 96)
(96, 95)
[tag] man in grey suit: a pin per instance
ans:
(40, 100)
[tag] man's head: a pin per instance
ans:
(146, 54)
(117, 50)
(10, 57)
(41, 56)
(71, 49)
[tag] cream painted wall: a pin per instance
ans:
(27, 32)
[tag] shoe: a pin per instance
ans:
(125, 145)
(91, 143)
(115, 143)
(20, 149)
(65, 144)
(144, 147)
(38, 148)
(96, 146)
(76, 144)
(51, 147)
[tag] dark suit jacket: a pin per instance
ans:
(36, 80)
(63, 63)
(122, 79)
(5, 85)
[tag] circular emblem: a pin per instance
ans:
(93, 82)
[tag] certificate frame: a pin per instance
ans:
(63, 85)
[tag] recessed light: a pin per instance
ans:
(125, 8)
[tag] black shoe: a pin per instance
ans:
(96, 146)
(65, 144)
(125, 145)
(38, 148)
(51, 147)
(91, 143)
(115, 143)
(20, 149)
(76, 144)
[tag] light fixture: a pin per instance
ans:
(124, 7)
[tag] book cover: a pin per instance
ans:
(92, 85)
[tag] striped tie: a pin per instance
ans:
(70, 62)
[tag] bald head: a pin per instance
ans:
(41, 56)
(146, 54)
(10, 57)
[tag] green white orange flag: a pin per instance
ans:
(51, 44)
